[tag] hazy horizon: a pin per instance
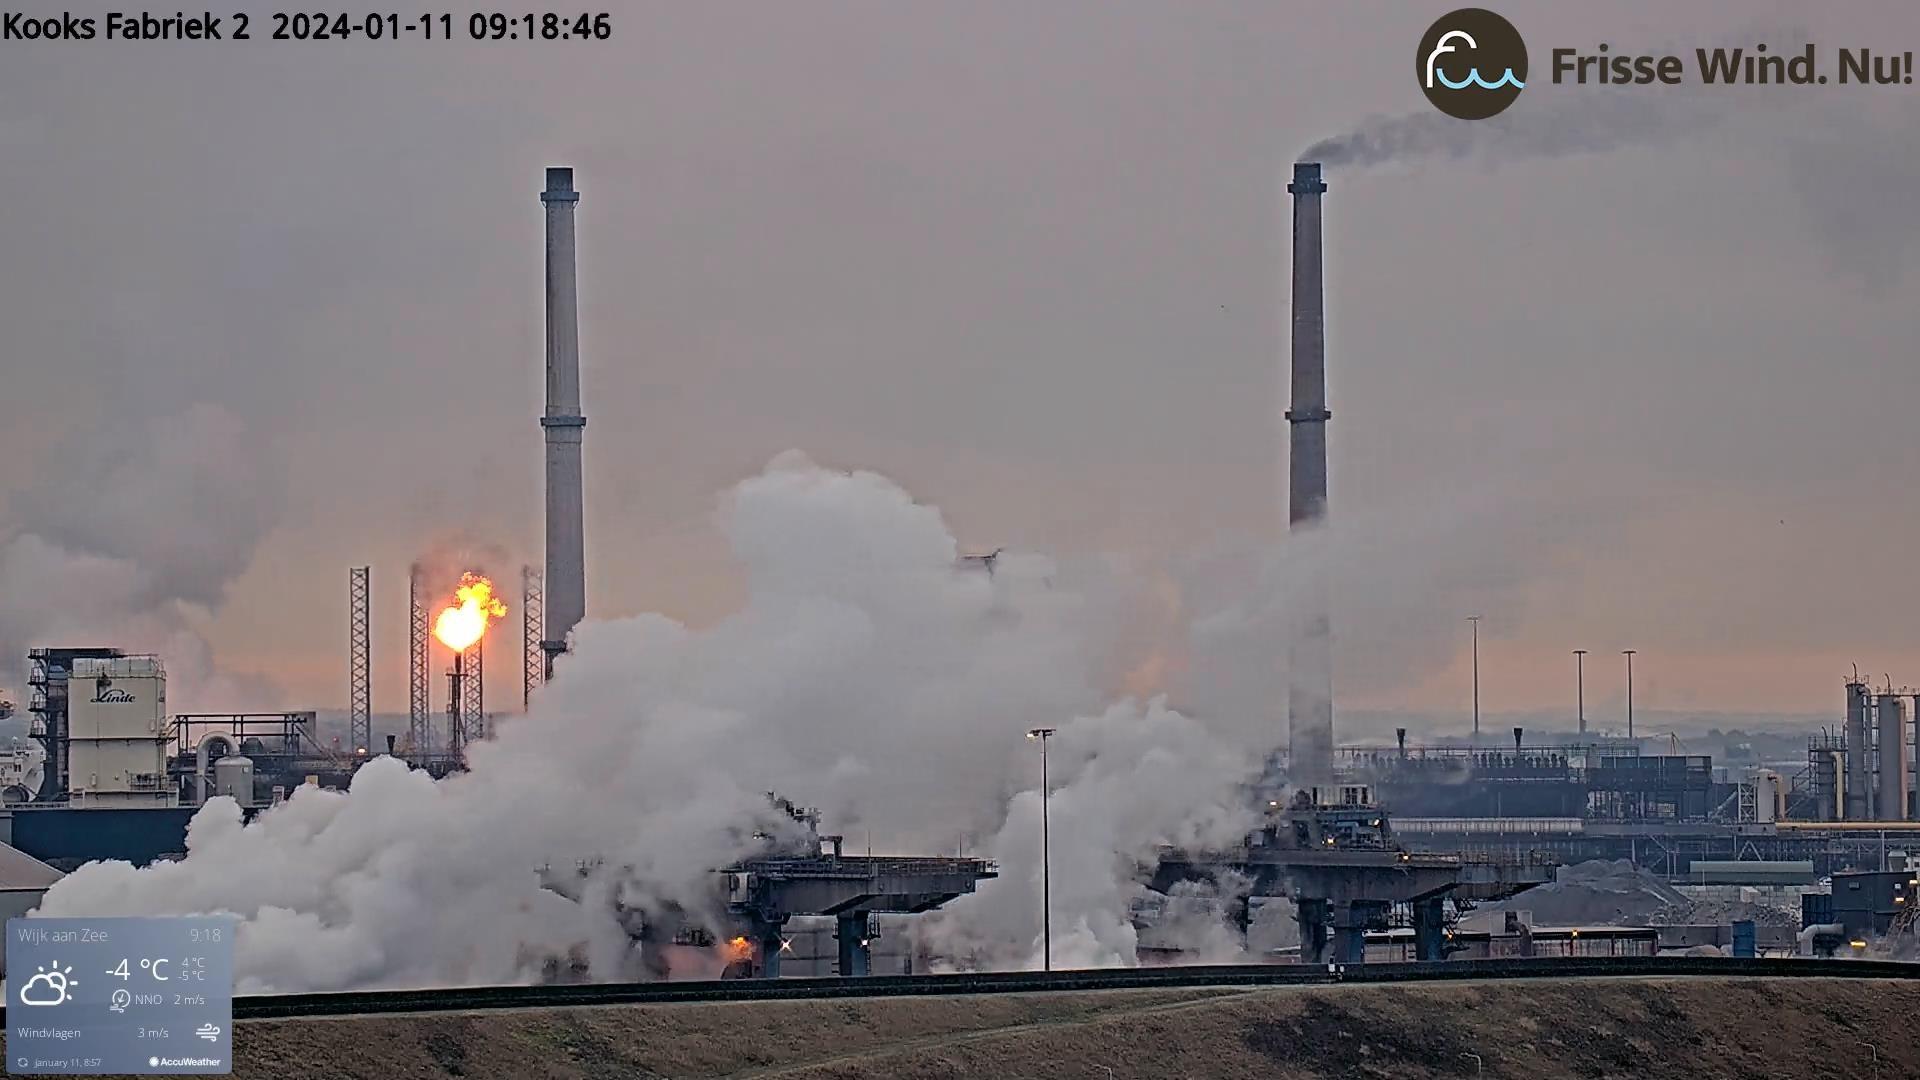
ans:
(1029, 262)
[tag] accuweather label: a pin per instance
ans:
(119, 996)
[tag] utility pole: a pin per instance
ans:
(1046, 852)
(1628, 653)
(1580, 686)
(1475, 620)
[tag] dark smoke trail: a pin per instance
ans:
(1592, 121)
(1558, 121)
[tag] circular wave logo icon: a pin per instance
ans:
(1472, 64)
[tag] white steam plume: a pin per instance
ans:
(113, 546)
(1124, 783)
(866, 674)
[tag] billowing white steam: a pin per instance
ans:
(1124, 783)
(866, 674)
(117, 550)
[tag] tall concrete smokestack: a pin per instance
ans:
(566, 583)
(1310, 653)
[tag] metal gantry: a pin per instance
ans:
(360, 658)
(473, 694)
(419, 677)
(532, 629)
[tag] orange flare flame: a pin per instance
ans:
(466, 619)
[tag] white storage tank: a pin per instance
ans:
(233, 776)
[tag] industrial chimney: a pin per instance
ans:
(1310, 652)
(1890, 795)
(1858, 785)
(566, 582)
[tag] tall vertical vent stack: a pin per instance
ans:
(1891, 800)
(566, 584)
(1859, 782)
(1913, 739)
(1310, 651)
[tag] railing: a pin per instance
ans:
(1485, 826)
(862, 865)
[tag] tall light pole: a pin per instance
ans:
(1628, 653)
(1046, 852)
(1475, 620)
(1580, 686)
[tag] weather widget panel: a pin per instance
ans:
(145, 995)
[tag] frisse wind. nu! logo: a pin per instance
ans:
(1472, 63)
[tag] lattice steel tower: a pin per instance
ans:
(419, 675)
(360, 658)
(473, 693)
(532, 621)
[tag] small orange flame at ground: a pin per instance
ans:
(466, 619)
(738, 949)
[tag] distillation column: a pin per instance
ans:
(1858, 786)
(1890, 803)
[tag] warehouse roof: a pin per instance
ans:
(20, 871)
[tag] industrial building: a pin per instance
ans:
(1850, 804)
(1334, 856)
(1867, 904)
(23, 881)
(101, 717)
(1520, 941)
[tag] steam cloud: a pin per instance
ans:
(866, 674)
(118, 551)
(1136, 777)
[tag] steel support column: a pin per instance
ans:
(851, 932)
(768, 944)
(1429, 928)
(1312, 917)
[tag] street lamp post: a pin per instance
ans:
(1580, 686)
(1628, 653)
(1475, 620)
(1046, 852)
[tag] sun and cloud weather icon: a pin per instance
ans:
(48, 985)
